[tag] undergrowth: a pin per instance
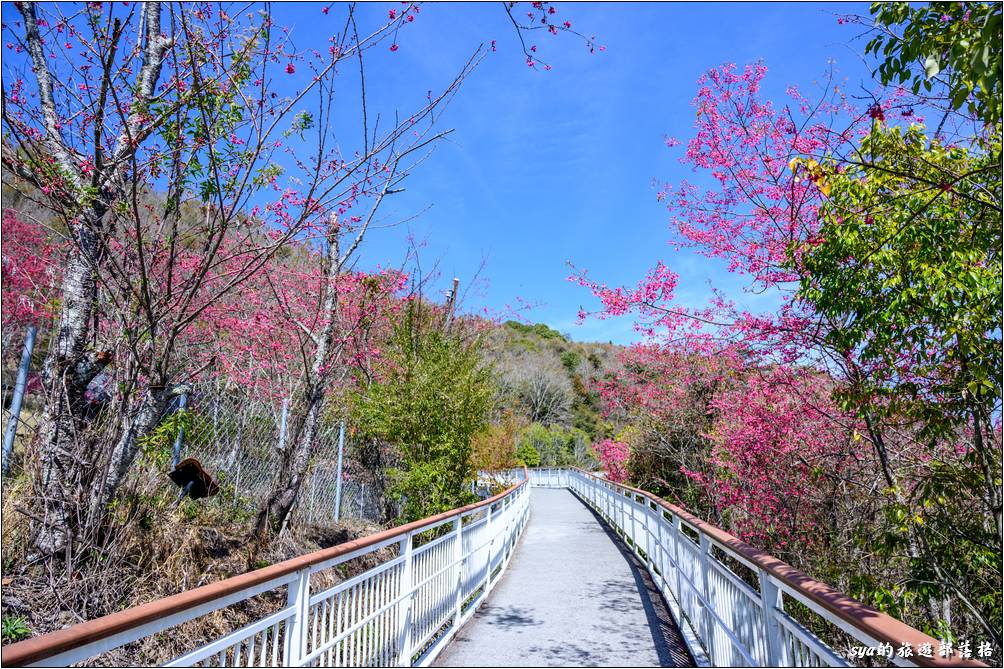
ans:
(153, 547)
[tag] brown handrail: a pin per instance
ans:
(39, 648)
(882, 627)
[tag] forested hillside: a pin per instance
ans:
(551, 382)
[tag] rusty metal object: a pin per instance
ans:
(190, 476)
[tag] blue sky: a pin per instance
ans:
(549, 167)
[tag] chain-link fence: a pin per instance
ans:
(238, 438)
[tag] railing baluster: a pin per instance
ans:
(340, 625)
(647, 516)
(378, 621)
(637, 527)
(367, 629)
(312, 640)
(378, 598)
(364, 630)
(352, 615)
(333, 629)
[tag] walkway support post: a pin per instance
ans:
(656, 539)
(458, 559)
(629, 520)
(708, 634)
(297, 596)
(404, 609)
(642, 524)
(488, 548)
(666, 558)
(622, 502)
(677, 533)
(770, 599)
(649, 534)
(15, 405)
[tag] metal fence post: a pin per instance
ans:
(404, 608)
(178, 440)
(237, 483)
(282, 424)
(298, 596)
(770, 600)
(15, 405)
(338, 472)
(313, 495)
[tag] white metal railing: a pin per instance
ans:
(399, 613)
(724, 619)
(435, 572)
(544, 477)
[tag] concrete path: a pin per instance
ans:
(572, 596)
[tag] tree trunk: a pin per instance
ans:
(989, 464)
(133, 426)
(274, 513)
(67, 371)
(67, 459)
(913, 542)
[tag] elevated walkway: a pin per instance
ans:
(572, 596)
(578, 571)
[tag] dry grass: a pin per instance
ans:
(156, 550)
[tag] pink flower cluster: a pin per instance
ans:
(613, 455)
(29, 276)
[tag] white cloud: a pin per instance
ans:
(616, 330)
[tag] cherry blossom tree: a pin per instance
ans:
(613, 456)
(816, 392)
(160, 144)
